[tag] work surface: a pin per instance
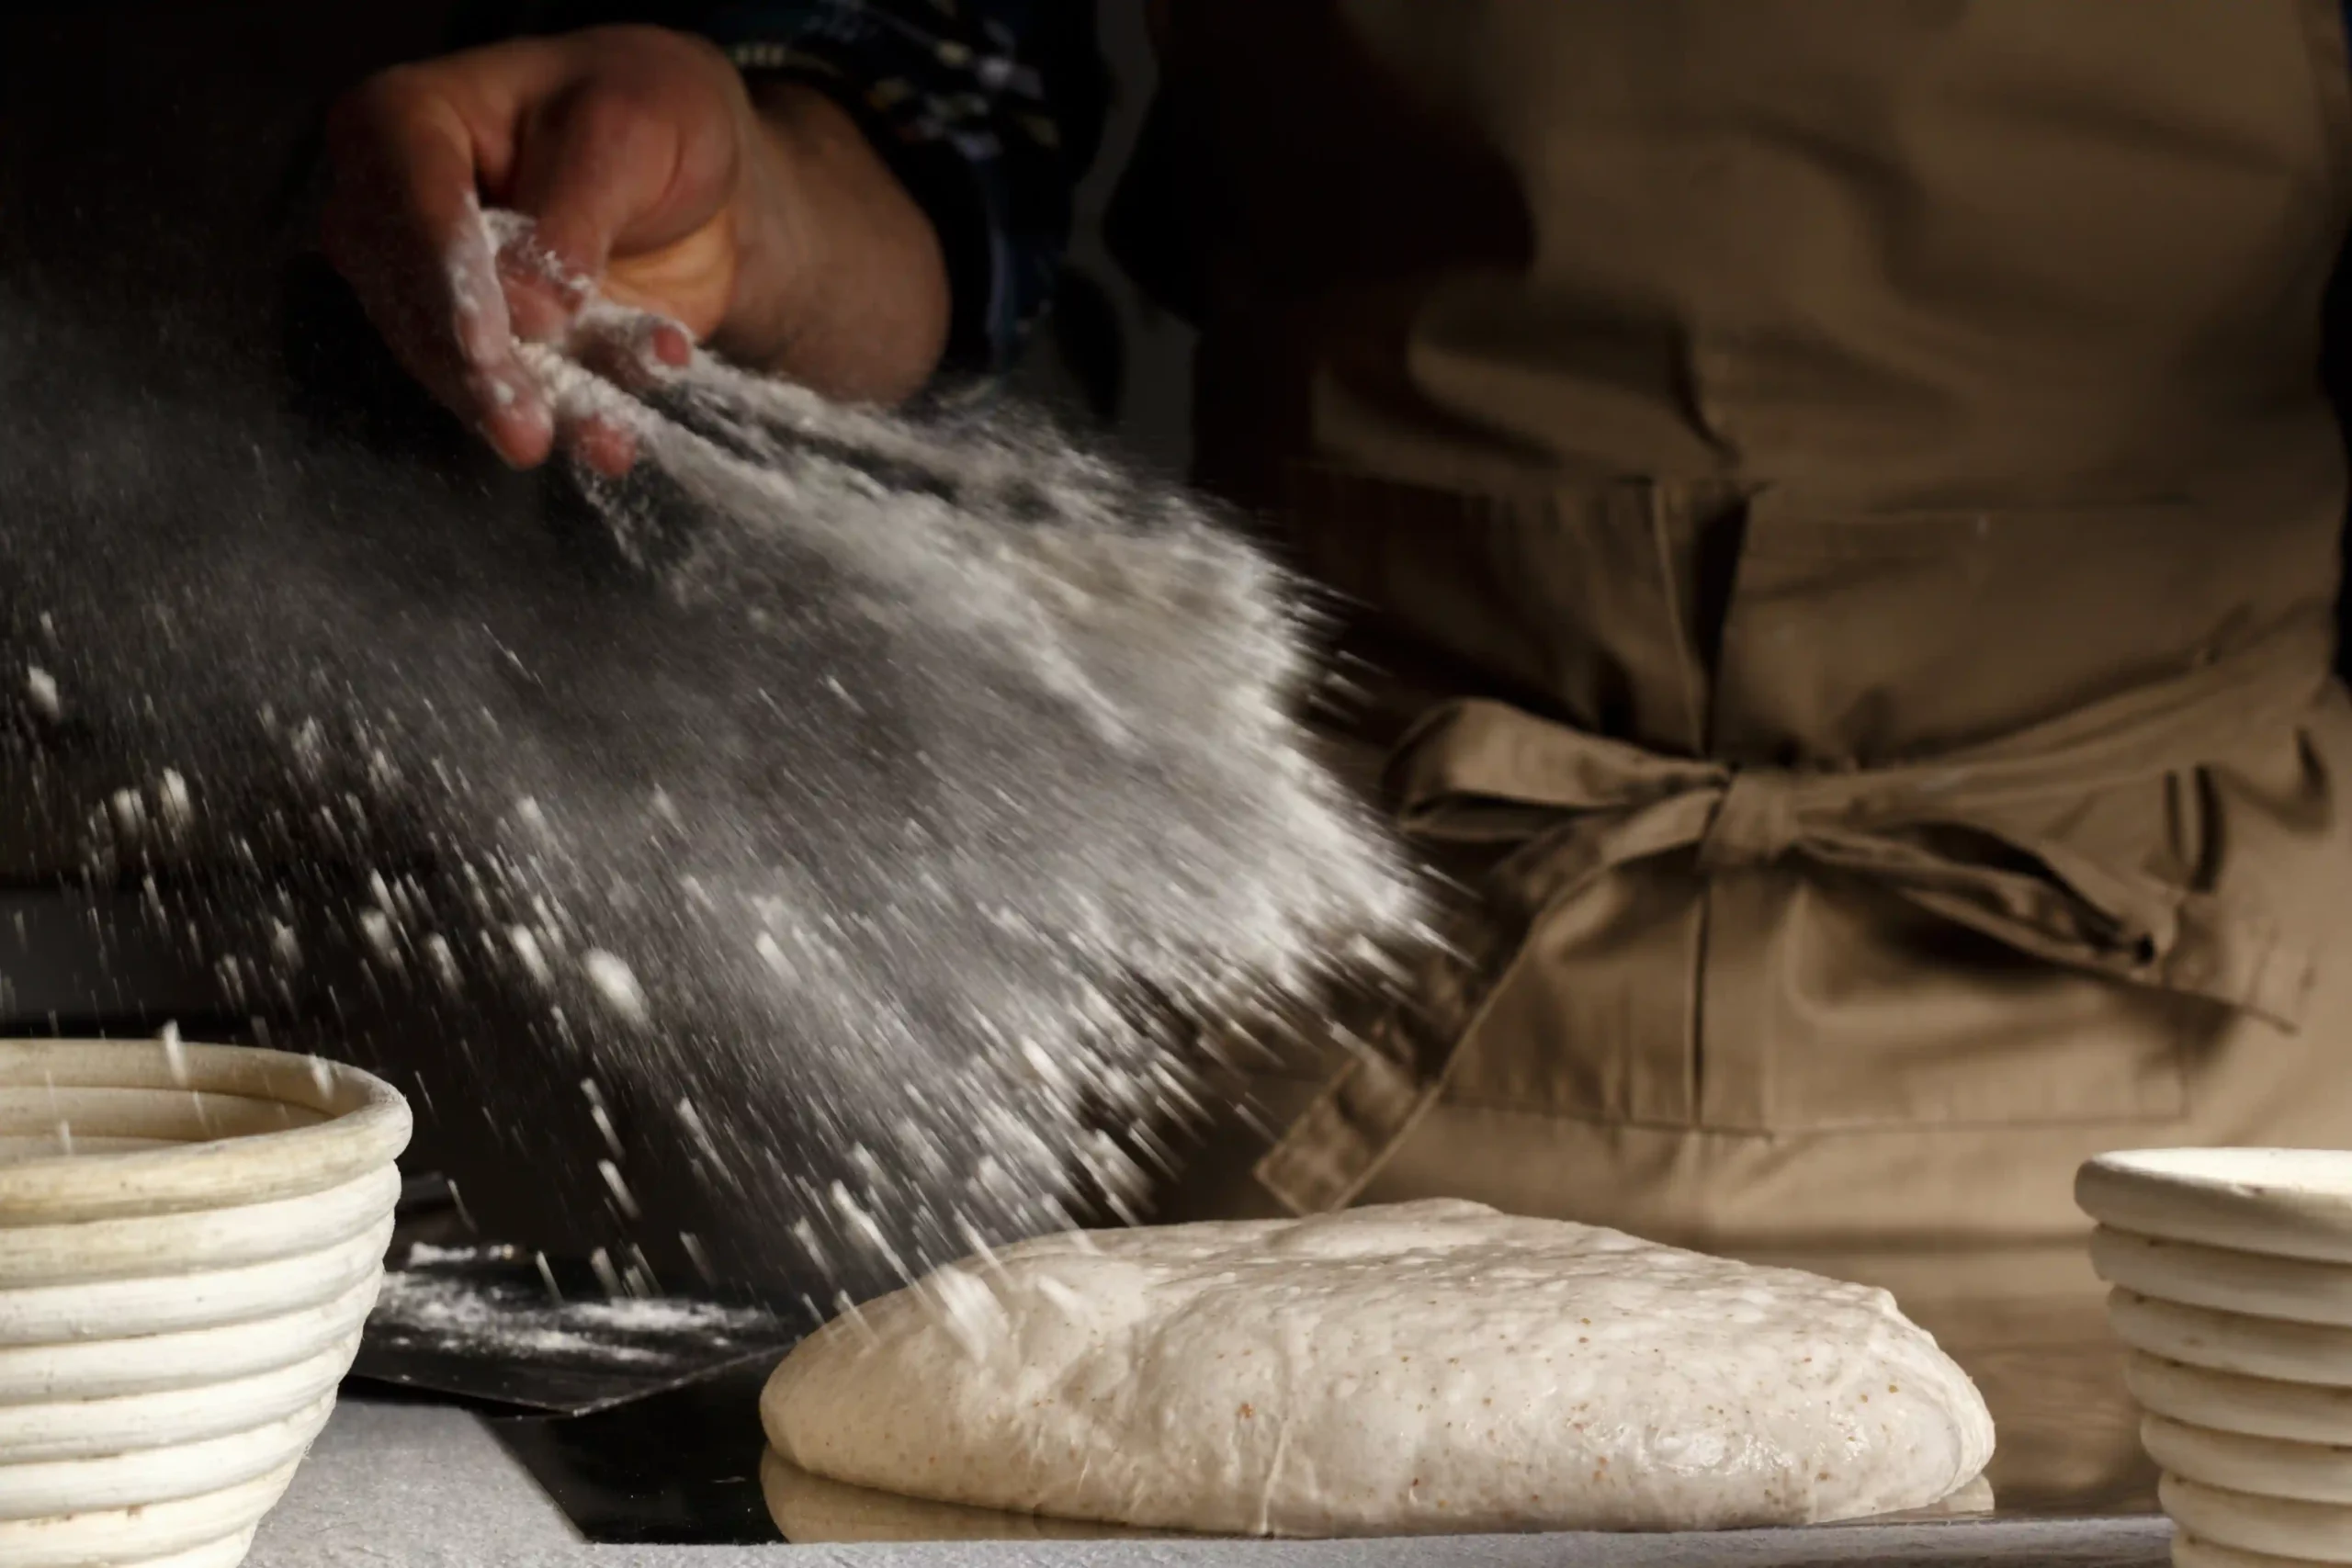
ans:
(393, 1484)
(409, 1477)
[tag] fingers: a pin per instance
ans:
(636, 352)
(607, 448)
(402, 225)
(506, 401)
(592, 163)
(607, 140)
(671, 346)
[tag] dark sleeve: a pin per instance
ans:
(989, 112)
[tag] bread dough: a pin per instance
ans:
(1421, 1368)
(810, 1510)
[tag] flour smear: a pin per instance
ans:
(837, 820)
(451, 1314)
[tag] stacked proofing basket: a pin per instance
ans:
(191, 1239)
(2232, 1272)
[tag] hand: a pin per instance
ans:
(769, 229)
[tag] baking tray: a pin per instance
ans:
(519, 1333)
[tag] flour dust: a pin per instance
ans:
(439, 1302)
(812, 843)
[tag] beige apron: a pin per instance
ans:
(1845, 517)
(1845, 527)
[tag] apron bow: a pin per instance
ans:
(1959, 836)
(1757, 819)
(1946, 835)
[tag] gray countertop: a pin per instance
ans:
(391, 1485)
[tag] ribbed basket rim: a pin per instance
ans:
(2246, 1199)
(368, 1126)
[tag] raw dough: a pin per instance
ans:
(810, 1510)
(1432, 1367)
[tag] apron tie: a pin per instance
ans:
(1756, 820)
(1947, 835)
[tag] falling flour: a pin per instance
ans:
(865, 802)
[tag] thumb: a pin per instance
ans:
(591, 173)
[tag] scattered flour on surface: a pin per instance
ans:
(417, 1310)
